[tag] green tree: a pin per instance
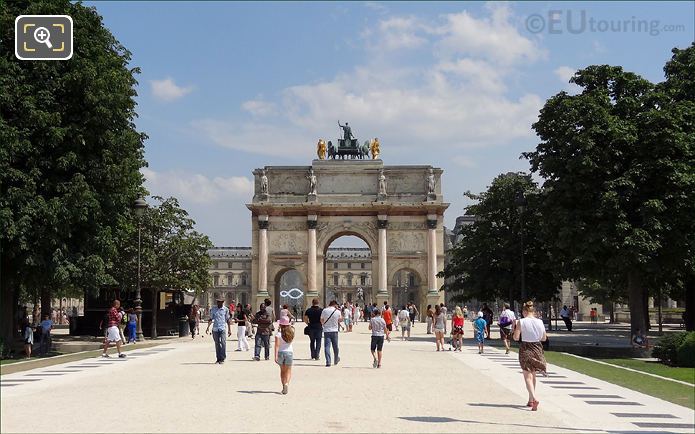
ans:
(606, 292)
(69, 158)
(173, 254)
(618, 191)
(486, 263)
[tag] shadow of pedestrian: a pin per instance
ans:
(253, 392)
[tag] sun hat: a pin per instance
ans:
(480, 314)
(220, 299)
(284, 321)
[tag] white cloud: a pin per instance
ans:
(455, 99)
(196, 188)
(398, 33)
(495, 37)
(564, 73)
(259, 107)
(166, 90)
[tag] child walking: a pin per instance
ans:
(284, 352)
(479, 325)
(378, 327)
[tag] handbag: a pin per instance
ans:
(306, 330)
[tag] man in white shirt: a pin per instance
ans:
(330, 320)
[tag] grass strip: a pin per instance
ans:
(668, 391)
(657, 368)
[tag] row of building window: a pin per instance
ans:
(243, 280)
(363, 265)
(231, 265)
(336, 279)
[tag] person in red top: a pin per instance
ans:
(457, 329)
(388, 317)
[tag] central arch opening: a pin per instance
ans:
(348, 270)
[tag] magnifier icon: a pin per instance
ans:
(43, 36)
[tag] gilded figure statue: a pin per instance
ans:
(375, 148)
(321, 149)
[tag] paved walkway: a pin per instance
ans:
(178, 388)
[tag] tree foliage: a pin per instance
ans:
(619, 167)
(173, 254)
(70, 156)
(486, 263)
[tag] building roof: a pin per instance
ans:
(230, 252)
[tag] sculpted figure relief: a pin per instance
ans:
(312, 182)
(382, 183)
(431, 183)
(264, 183)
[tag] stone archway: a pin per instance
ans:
(325, 239)
(297, 211)
(406, 287)
(286, 281)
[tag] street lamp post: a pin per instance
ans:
(139, 207)
(520, 203)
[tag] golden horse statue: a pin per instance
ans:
(321, 149)
(374, 147)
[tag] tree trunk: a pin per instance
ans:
(647, 320)
(689, 318)
(45, 302)
(155, 308)
(7, 309)
(637, 301)
(612, 320)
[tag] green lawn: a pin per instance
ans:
(681, 374)
(663, 389)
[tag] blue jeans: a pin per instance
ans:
(131, 331)
(220, 339)
(315, 342)
(330, 339)
(45, 345)
(262, 341)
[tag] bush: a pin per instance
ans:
(686, 351)
(666, 350)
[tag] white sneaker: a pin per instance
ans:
(105, 355)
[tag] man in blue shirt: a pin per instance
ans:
(46, 327)
(220, 318)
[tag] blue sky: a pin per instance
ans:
(229, 87)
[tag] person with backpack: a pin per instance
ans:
(505, 321)
(284, 352)
(404, 322)
(412, 312)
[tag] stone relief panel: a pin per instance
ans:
(289, 242)
(407, 226)
(406, 241)
(288, 225)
